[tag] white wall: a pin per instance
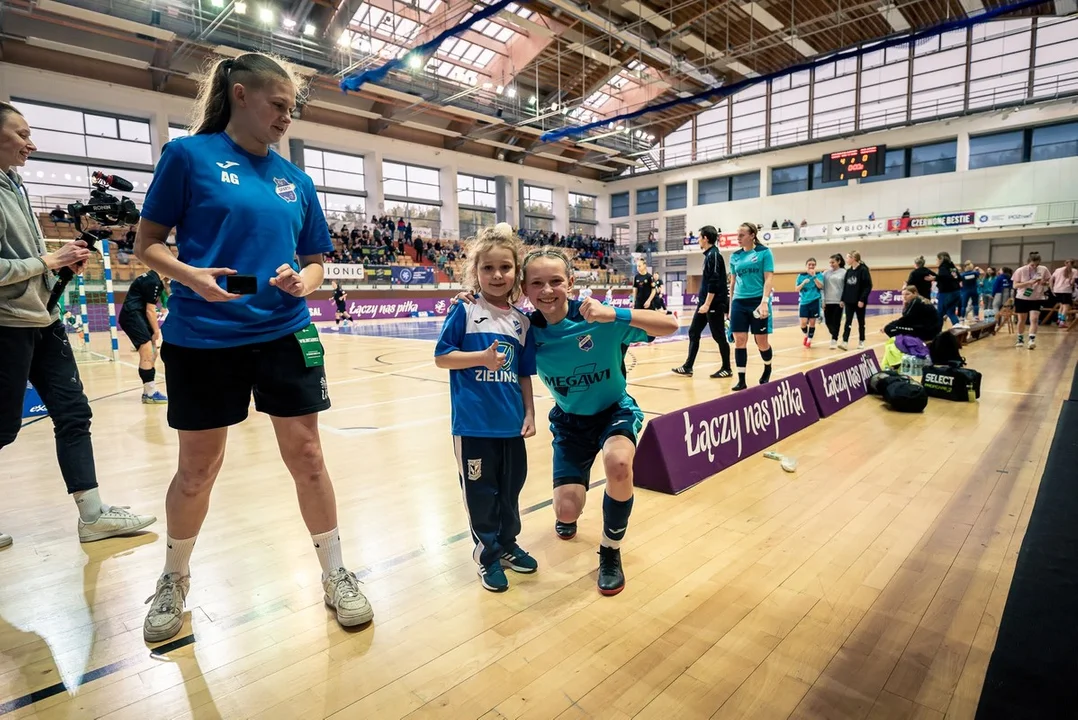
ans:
(1027, 183)
(161, 109)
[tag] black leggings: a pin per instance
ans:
(714, 319)
(832, 315)
(851, 310)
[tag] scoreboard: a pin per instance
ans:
(860, 163)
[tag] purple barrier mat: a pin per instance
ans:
(842, 382)
(685, 447)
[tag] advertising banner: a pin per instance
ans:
(682, 448)
(843, 382)
(811, 232)
(781, 236)
(379, 274)
(342, 271)
(381, 308)
(857, 227)
(419, 275)
(1002, 217)
(925, 222)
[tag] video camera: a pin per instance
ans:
(106, 210)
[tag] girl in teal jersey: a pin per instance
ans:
(751, 269)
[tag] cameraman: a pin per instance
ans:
(33, 342)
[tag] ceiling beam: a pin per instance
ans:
(894, 17)
(522, 52)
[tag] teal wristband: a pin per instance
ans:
(623, 315)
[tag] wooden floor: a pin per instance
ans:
(869, 584)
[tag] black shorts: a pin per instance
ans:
(742, 319)
(579, 438)
(341, 309)
(136, 327)
(211, 388)
(809, 310)
(1027, 306)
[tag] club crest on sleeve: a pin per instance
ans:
(285, 190)
(475, 469)
(585, 342)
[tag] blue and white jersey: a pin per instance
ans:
(487, 403)
(251, 213)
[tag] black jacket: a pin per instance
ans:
(919, 318)
(947, 278)
(919, 279)
(858, 285)
(714, 280)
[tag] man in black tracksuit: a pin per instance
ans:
(711, 305)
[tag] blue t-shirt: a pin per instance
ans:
(582, 363)
(749, 268)
(233, 209)
(487, 403)
(969, 280)
(809, 293)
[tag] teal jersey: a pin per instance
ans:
(810, 292)
(749, 268)
(582, 363)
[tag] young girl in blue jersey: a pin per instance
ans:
(580, 353)
(751, 269)
(484, 347)
(239, 208)
(809, 285)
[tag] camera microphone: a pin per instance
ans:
(113, 181)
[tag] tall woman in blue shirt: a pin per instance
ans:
(239, 208)
(751, 268)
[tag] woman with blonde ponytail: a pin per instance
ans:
(238, 322)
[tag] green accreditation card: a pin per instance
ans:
(311, 346)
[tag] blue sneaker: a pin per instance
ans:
(156, 399)
(493, 577)
(520, 561)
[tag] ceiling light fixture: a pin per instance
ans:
(240, 8)
(288, 23)
(308, 30)
(265, 14)
(511, 92)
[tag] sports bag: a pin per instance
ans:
(958, 384)
(904, 395)
(944, 350)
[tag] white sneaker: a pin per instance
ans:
(5, 540)
(861, 346)
(165, 617)
(343, 595)
(1032, 343)
(834, 344)
(1018, 343)
(843, 345)
(113, 522)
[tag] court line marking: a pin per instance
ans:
(381, 375)
(384, 402)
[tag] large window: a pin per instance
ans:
(724, 189)
(66, 131)
(581, 207)
(52, 183)
(789, 179)
(334, 170)
(410, 182)
(711, 126)
(998, 149)
(677, 196)
(789, 109)
(1056, 56)
(999, 63)
(933, 159)
(884, 79)
(472, 221)
(476, 192)
(538, 200)
(619, 205)
(1054, 141)
(425, 219)
(894, 166)
(939, 75)
(834, 99)
(343, 209)
(177, 131)
(750, 120)
(677, 146)
(647, 201)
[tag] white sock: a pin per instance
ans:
(178, 556)
(149, 388)
(328, 547)
(89, 505)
